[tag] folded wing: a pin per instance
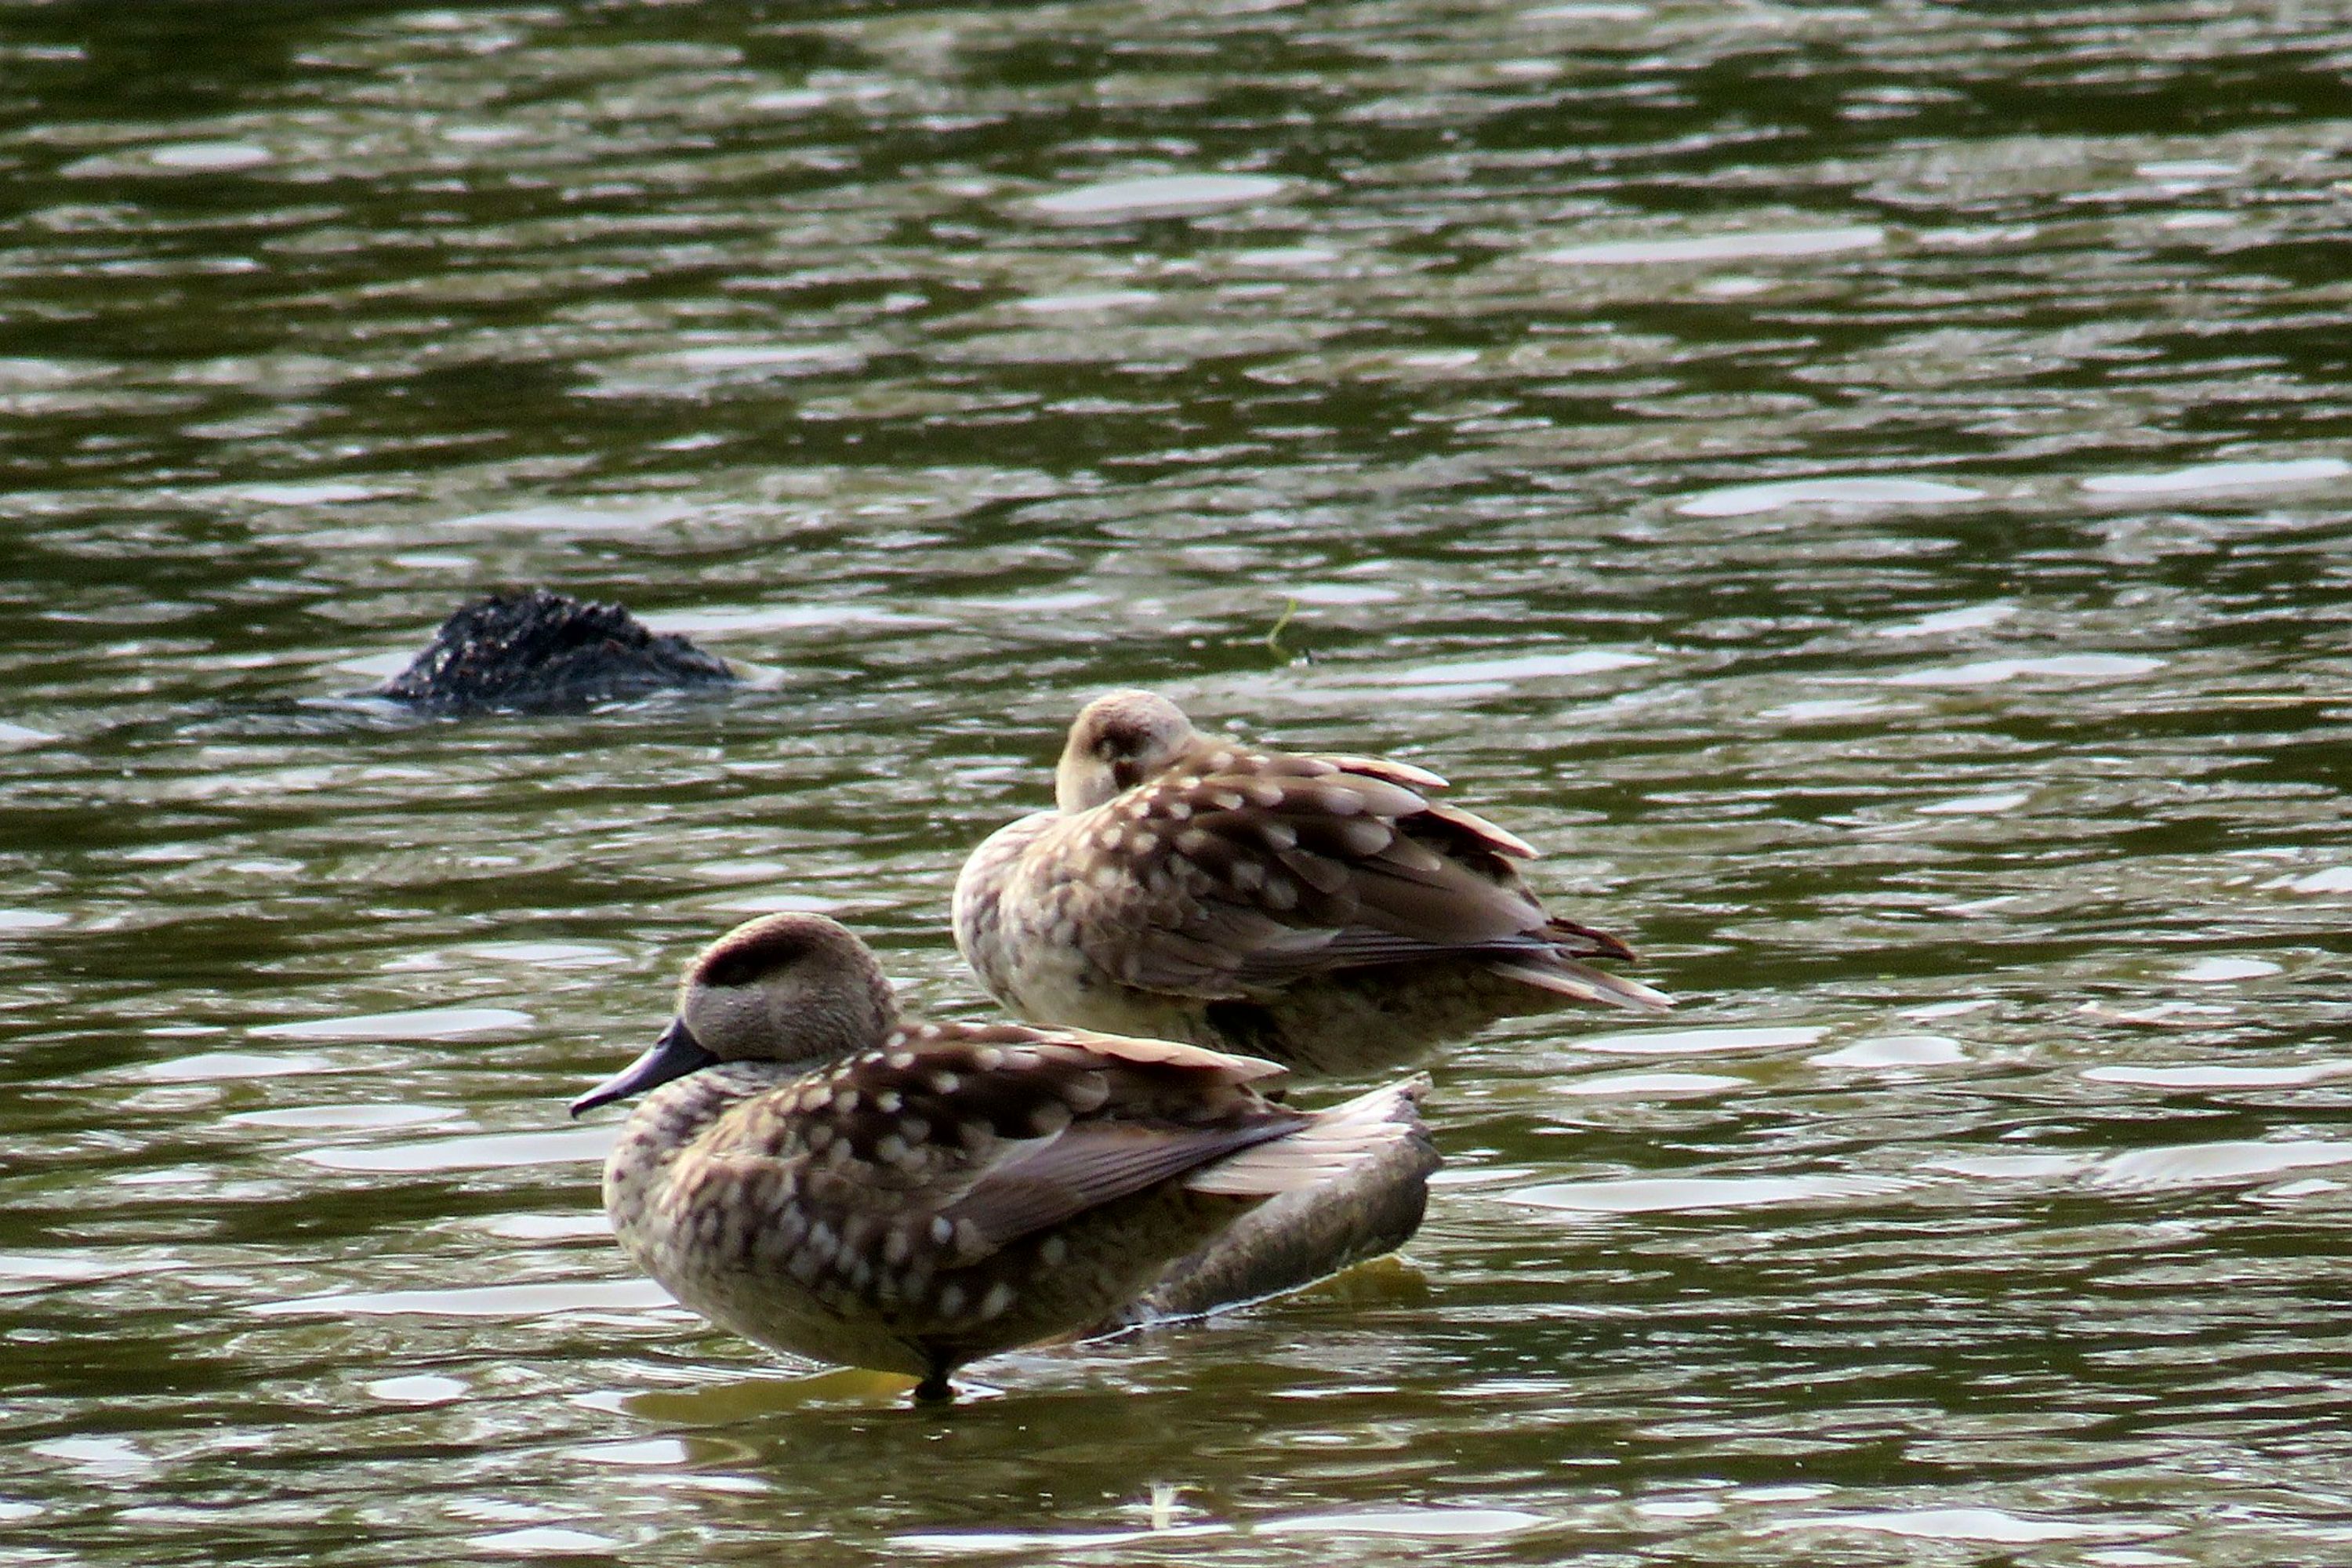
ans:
(1241, 873)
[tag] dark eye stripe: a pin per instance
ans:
(746, 963)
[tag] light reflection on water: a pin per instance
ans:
(1862, 491)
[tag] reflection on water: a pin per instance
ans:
(1862, 490)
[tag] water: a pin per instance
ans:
(1863, 488)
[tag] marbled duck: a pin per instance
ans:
(817, 1175)
(1320, 910)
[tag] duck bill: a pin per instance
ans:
(676, 1054)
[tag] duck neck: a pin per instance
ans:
(667, 1123)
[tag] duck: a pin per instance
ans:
(808, 1169)
(1322, 912)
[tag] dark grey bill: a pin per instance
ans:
(676, 1054)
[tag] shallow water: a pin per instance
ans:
(1863, 488)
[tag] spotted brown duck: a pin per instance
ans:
(815, 1174)
(1321, 910)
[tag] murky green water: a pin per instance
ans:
(1863, 487)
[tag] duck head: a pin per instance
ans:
(1119, 741)
(791, 988)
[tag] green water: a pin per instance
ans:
(1983, 795)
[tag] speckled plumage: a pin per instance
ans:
(827, 1180)
(1320, 910)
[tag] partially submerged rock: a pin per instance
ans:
(543, 649)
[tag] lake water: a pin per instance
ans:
(1863, 487)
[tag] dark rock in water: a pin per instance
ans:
(540, 650)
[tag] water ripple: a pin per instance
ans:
(1860, 488)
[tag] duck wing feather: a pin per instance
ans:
(991, 1133)
(1240, 872)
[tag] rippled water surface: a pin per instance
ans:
(1863, 487)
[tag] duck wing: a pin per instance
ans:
(1235, 873)
(981, 1134)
